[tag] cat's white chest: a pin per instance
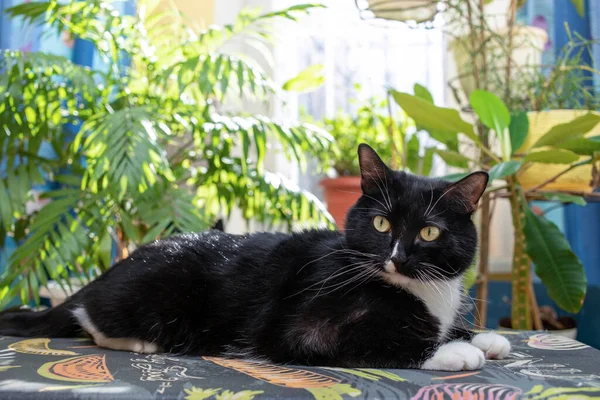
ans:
(442, 299)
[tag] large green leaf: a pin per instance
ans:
(430, 117)
(453, 158)
(307, 80)
(563, 198)
(454, 177)
(580, 7)
(422, 92)
(427, 162)
(504, 169)
(584, 146)
(518, 129)
(557, 156)
(494, 114)
(555, 263)
(569, 130)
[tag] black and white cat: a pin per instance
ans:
(386, 293)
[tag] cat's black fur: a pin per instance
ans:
(315, 297)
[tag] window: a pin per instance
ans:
(370, 53)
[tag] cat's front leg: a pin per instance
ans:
(455, 356)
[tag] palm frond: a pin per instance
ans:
(268, 197)
(168, 209)
(296, 140)
(122, 148)
(214, 75)
(62, 240)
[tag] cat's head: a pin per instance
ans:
(412, 228)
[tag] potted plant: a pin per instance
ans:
(489, 47)
(536, 238)
(546, 162)
(155, 152)
(394, 137)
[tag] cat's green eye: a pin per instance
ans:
(430, 233)
(382, 224)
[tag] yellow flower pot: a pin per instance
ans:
(577, 180)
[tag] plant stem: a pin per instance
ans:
(481, 40)
(555, 177)
(473, 37)
(484, 246)
(511, 23)
(535, 310)
(122, 252)
(391, 134)
(520, 304)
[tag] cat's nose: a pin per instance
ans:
(398, 255)
(399, 260)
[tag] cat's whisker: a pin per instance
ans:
(378, 210)
(430, 200)
(385, 199)
(366, 195)
(357, 277)
(386, 193)
(438, 200)
(356, 252)
(317, 259)
(436, 214)
(335, 274)
(362, 282)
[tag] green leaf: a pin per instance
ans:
(453, 158)
(412, 153)
(431, 117)
(470, 276)
(454, 177)
(557, 156)
(5, 207)
(494, 114)
(555, 263)
(518, 130)
(307, 80)
(422, 92)
(583, 146)
(563, 198)
(569, 130)
(504, 169)
(427, 162)
(580, 7)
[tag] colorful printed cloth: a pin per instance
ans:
(541, 366)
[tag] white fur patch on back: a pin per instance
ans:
(442, 298)
(125, 344)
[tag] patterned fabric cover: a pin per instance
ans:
(541, 366)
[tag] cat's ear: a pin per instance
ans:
(469, 190)
(373, 171)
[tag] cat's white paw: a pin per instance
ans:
(455, 356)
(494, 346)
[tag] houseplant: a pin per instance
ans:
(536, 238)
(393, 135)
(531, 91)
(154, 151)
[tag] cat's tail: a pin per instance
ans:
(53, 322)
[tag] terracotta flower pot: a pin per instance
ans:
(341, 194)
(576, 180)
